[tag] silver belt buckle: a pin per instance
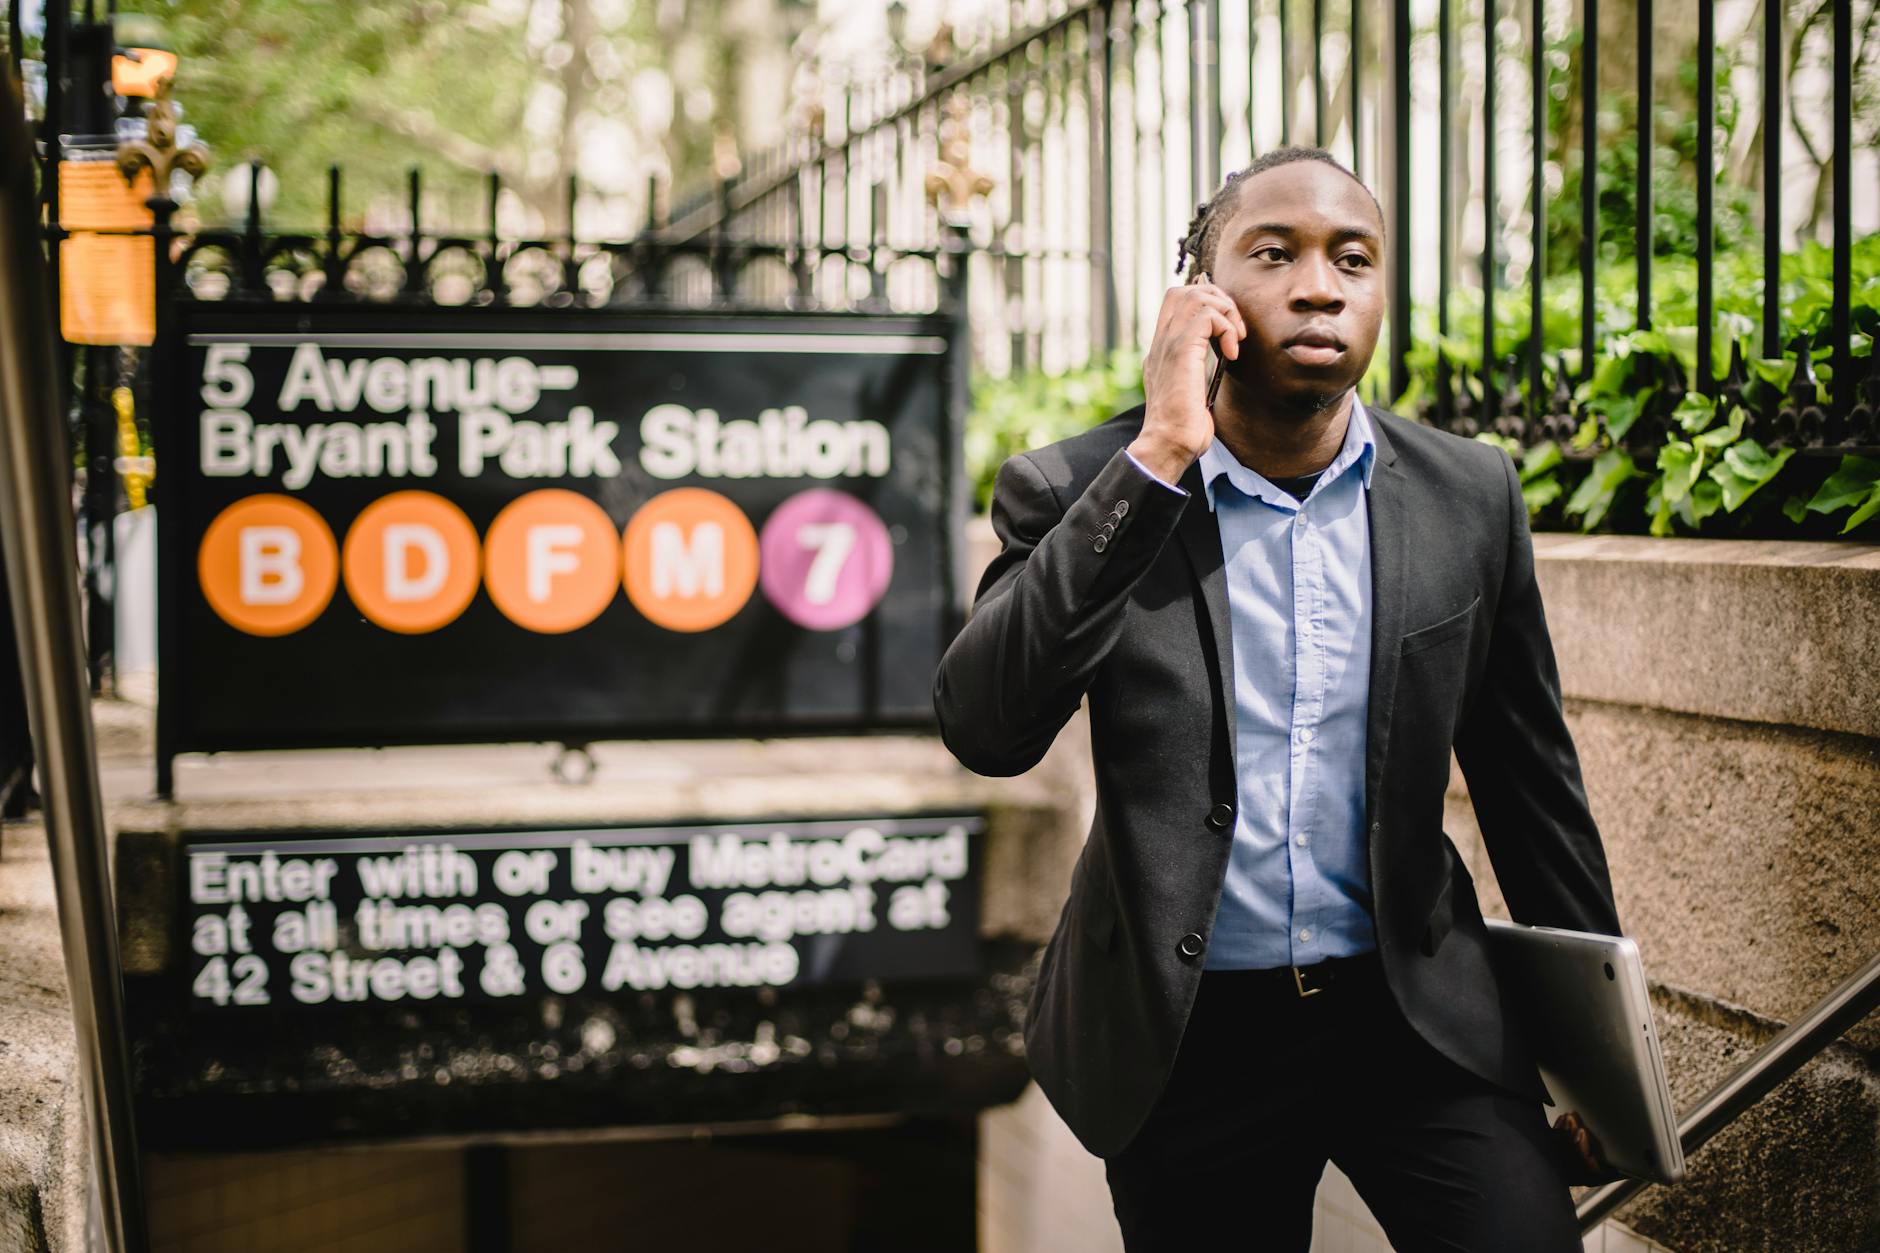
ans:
(1299, 982)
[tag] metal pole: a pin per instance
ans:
(1101, 73)
(1798, 1044)
(1537, 195)
(1285, 76)
(1589, 180)
(1445, 201)
(1491, 395)
(1772, 179)
(36, 528)
(1400, 197)
(1355, 55)
(1318, 73)
(1642, 231)
(1706, 186)
(1841, 309)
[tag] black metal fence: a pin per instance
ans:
(1102, 123)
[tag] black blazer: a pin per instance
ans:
(1090, 598)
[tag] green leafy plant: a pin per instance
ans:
(1704, 477)
(1031, 408)
(1705, 466)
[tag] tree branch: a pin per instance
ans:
(421, 126)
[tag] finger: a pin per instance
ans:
(1215, 298)
(1213, 324)
(1174, 300)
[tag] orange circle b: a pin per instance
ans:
(410, 562)
(690, 559)
(268, 564)
(549, 561)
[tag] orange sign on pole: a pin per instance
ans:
(107, 283)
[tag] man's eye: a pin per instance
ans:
(1358, 259)
(1271, 252)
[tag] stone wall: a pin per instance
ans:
(1725, 700)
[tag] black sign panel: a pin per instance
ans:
(293, 920)
(427, 524)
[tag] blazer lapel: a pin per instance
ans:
(1201, 539)
(1389, 521)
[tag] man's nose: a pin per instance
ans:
(1315, 285)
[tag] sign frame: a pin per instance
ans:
(175, 730)
(523, 840)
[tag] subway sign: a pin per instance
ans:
(288, 920)
(425, 524)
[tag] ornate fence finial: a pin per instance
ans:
(726, 163)
(952, 182)
(157, 149)
(940, 50)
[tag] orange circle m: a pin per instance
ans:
(268, 565)
(550, 561)
(689, 559)
(411, 562)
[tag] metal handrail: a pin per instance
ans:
(1799, 1043)
(37, 529)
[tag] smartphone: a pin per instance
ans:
(1220, 368)
(1214, 342)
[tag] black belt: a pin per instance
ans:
(1302, 981)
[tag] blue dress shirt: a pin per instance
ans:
(1298, 887)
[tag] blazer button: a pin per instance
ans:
(1221, 816)
(1191, 945)
(1100, 543)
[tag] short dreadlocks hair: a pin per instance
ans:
(1211, 215)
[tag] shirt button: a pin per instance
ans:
(1306, 734)
(1299, 520)
(1221, 816)
(1300, 839)
(1305, 933)
(1191, 945)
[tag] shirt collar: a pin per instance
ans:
(1359, 448)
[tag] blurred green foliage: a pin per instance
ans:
(1031, 408)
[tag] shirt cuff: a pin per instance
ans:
(1152, 476)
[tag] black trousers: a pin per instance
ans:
(1267, 1087)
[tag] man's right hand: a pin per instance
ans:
(1177, 427)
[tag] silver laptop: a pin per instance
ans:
(1588, 1021)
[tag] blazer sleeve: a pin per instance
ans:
(1518, 757)
(1049, 608)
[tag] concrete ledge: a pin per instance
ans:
(43, 1155)
(1768, 631)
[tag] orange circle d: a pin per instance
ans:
(268, 564)
(549, 561)
(411, 562)
(689, 559)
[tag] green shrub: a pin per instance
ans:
(1031, 409)
(1705, 477)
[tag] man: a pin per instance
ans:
(1284, 613)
